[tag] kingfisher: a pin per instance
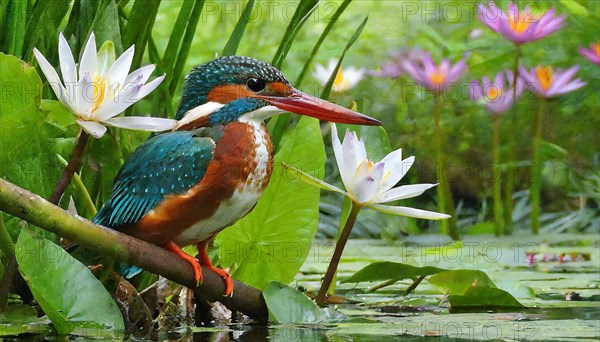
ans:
(185, 186)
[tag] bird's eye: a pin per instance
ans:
(256, 84)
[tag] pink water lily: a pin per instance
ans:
(497, 95)
(434, 77)
(101, 88)
(520, 27)
(592, 54)
(547, 83)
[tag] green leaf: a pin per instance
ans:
(22, 319)
(315, 49)
(287, 305)
(186, 44)
(27, 153)
(387, 270)
(66, 290)
(303, 11)
(574, 7)
(13, 26)
(272, 241)
(327, 88)
(457, 282)
(139, 27)
(238, 32)
(483, 297)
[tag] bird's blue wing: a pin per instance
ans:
(167, 164)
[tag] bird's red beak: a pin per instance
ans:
(305, 104)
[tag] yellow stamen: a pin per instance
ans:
(596, 49)
(437, 77)
(520, 23)
(545, 76)
(494, 92)
(99, 86)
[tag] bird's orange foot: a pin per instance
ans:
(205, 260)
(172, 247)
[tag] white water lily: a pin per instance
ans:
(102, 87)
(346, 78)
(370, 184)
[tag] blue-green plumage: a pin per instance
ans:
(166, 164)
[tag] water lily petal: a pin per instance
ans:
(147, 88)
(141, 75)
(345, 171)
(119, 70)
(94, 128)
(118, 104)
(353, 151)
(85, 96)
(475, 90)
(361, 189)
(67, 62)
(88, 62)
(408, 212)
(53, 80)
(374, 190)
(142, 123)
(397, 170)
(403, 192)
(309, 179)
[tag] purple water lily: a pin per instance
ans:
(592, 54)
(393, 68)
(520, 27)
(549, 83)
(497, 95)
(434, 77)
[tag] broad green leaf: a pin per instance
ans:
(484, 297)
(238, 32)
(67, 291)
(272, 241)
(22, 319)
(287, 305)
(27, 144)
(106, 26)
(387, 270)
(457, 282)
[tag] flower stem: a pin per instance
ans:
(445, 202)
(536, 172)
(74, 164)
(510, 170)
(337, 254)
(497, 178)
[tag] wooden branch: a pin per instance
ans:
(36, 210)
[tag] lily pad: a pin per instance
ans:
(287, 305)
(391, 271)
(22, 319)
(484, 296)
(457, 282)
(68, 293)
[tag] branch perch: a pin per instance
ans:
(36, 210)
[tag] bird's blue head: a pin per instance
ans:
(232, 88)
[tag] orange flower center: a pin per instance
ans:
(545, 76)
(437, 77)
(596, 49)
(520, 23)
(494, 92)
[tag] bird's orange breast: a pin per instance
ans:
(233, 168)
